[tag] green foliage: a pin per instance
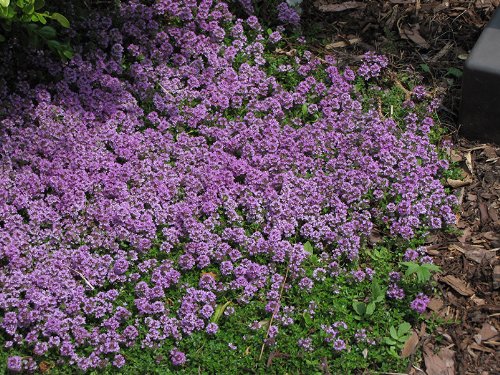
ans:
(423, 272)
(27, 18)
(398, 337)
(365, 310)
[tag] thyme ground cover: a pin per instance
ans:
(183, 196)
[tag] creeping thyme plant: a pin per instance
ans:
(185, 196)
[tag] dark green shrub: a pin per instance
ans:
(28, 18)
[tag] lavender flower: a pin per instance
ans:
(212, 328)
(14, 364)
(419, 304)
(306, 344)
(177, 357)
(339, 345)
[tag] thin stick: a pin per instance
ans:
(83, 277)
(274, 313)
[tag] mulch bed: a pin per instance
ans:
(437, 36)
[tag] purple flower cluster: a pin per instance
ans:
(373, 65)
(287, 14)
(419, 304)
(165, 148)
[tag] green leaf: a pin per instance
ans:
(425, 68)
(307, 318)
(63, 21)
(4, 3)
(41, 18)
(308, 247)
(359, 307)
(412, 267)
(392, 351)
(2, 38)
(370, 309)
(454, 72)
(431, 267)
(54, 45)
(68, 53)
(389, 341)
(47, 32)
(304, 109)
(394, 333)
(39, 4)
(218, 310)
(29, 9)
(423, 275)
(403, 329)
(378, 294)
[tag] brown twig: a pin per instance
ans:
(274, 313)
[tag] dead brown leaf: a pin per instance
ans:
(413, 33)
(45, 366)
(326, 6)
(439, 364)
(410, 345)
(483, 211)
(481, 348)
(468, 162)
(490, 152)
(435, 304)
(438, 56)
(496, 277)
(457, 285)
(459, 183)
(402, 1)
(343, 43)
(487, 332)
(475, 253)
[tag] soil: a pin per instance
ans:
(434, 39)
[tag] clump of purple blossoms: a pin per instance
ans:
(372, 65)
(177, 357)
(123, 170)
(15, 364)
(287, 14)
(306, 344)
(419, 304)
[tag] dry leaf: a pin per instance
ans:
(487, 332)
(459, 183)
(410, 345)
(481, 348)
(496, 277)
(458, 285)
(343, 43)
(412, 33)
(45, 366)
(483, 213)
(340, 7)
(435, 304)
(456, 156)
(478, 301)
(443, 52)
(490, 152)
(468, 162)
(213, 275)
(477, 254)
(441, 363)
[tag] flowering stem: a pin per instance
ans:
(274, 312)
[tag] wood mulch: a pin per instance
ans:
(435, 37)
